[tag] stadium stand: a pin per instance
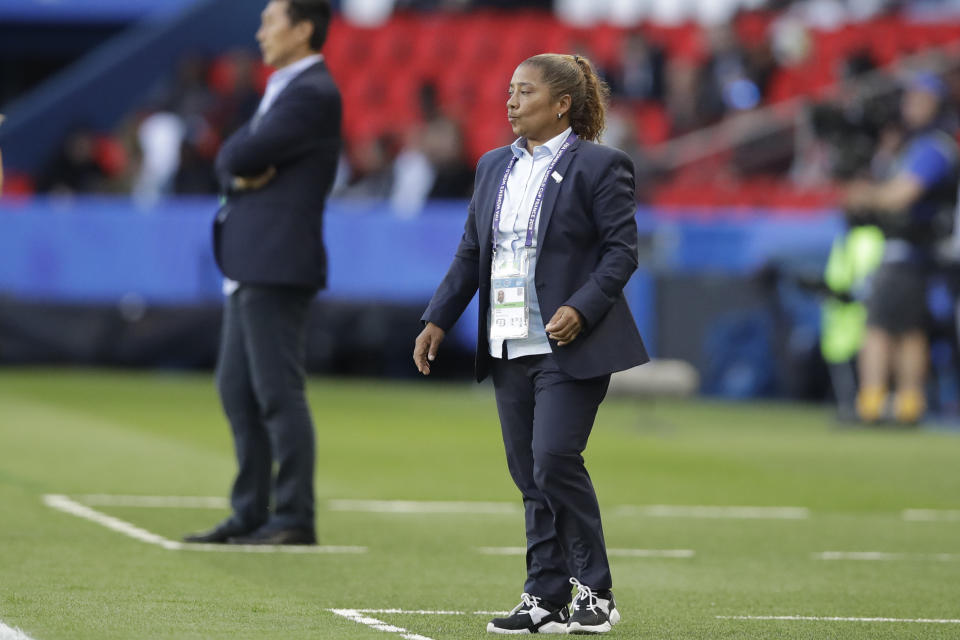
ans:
(382, 71)
(721, 193)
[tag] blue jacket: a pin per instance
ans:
(587, 251)
(274, 235)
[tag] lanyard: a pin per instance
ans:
(537, 203)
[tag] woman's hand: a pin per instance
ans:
(565, 325)
(425, 348)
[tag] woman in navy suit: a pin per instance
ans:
(550, 242)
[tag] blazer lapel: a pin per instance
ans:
(485, 205)
(552, 190)
(317, 67)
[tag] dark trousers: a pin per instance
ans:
(546, 417)
(260, 377)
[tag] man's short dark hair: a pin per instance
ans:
(316, 11)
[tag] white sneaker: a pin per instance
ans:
(591, 614)
(530, 617)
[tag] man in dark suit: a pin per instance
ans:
(276, 171)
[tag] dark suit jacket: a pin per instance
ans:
(274, 235)
(587, 251)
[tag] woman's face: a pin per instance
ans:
(531, 110)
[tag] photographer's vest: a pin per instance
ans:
(853, 257)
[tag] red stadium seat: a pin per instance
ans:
(684, 42)
(437, 44)
(482, 137)
(752, 26)
(111, 156)
(784, 85)
(221, 76)
(471, 57)
(885, 42)
(17, 185)
(606, 43)
(651, 123)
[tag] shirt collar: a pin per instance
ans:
(551, 146)
(292, 70)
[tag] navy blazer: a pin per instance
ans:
(274, 235)
(586, 253)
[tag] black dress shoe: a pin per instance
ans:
(276, 536)
(219, 534)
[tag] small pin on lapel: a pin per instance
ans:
(556, 176)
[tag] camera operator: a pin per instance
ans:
(908, 200)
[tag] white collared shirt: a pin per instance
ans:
(518, 199)
(281, 78)
(278, 82)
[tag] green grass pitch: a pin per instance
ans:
(81, 432)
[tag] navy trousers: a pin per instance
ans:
(261, 379)
(546, 417)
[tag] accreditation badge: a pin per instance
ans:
(510, 305)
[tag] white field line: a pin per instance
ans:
(422, 612)
(12, 633)
(931, 515)
(654, 511)
(181, 502)
(379, 625)
(65, 504)
(841, 619)
(623, 553)
(701, 511)
(423, 506)
(463, 507)
(269, 548)
(885, 555)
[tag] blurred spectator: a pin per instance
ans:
(196, 174)
(207, 101)
(621, 134)
(699, 76)
(511, 4)
(790, 40)
(443, 145)
(734, 77)
(639, 72)
(433, 5)
(432, 165)
(683, 96)
(75, 167)
(433, 162)
(161, 137)
(371, 169)
(238, 91)
(464, 5)
(583, 48)
(413, 177)
(191, 95)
